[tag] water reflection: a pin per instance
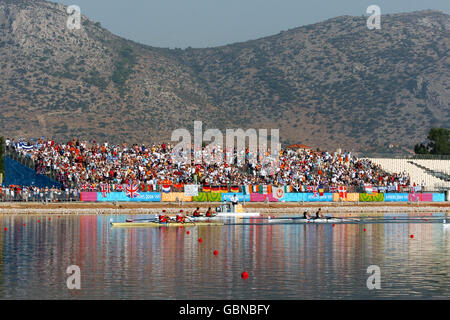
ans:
(283, 261)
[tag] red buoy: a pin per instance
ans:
(334, 225)
(24, 224)
(200, 240)
(244, 275)
(59, 217)
(39, 221)
(216, 252)
(364, 229)
(6, 229)
(412, 236)
(49, 219)
(426, 219)
(187, 232)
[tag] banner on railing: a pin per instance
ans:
(240, 196)
(351, 197)
(122, 197)
(396, 197)
(175, 197)
(208, 197)
(374, 197)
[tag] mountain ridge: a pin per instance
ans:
(329, 84)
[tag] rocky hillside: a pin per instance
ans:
(331, 84)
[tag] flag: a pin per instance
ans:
(165, 188)
(132, 190)
(255, 189)
(224, 189)
(321, 190)
(246, 189)
(178, 186)
(265, 189)
(342, 192)
(206, 189)
(333, 189)
(234, 189)
(277, 192)
(105, 190)
(119, 187)
(368, 188)
(84, 186)
(215, 189)
(315, 191)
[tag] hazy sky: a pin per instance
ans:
(207, 23)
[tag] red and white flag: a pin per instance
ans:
(105, 189)
(342, 192)
(368, 188)
(132, 190)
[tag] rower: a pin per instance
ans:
(306, 215)
(197, 212)
(163, 218)
(180, 217)
(319, 214)
(209, 213)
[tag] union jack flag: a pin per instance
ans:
(119, 187)
(84, 186)
(333, 189)
(313, 189)
(105, 189)
(132, 190)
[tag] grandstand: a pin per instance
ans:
(18, 174)
(435, 174)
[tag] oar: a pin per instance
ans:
(143, 219)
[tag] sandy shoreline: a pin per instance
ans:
(335, 208)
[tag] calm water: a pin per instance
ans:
(283, 261)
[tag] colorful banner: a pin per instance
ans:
(293, 197)
(259, 197)
(397, 197)
(208, 197)
(374, 197)
(438, 197)
(327, 197)
(175, 196)
(121, 196)
(241, 197)
(426, 197)
(351, 197)
(89, 196)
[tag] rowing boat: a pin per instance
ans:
(295, 220)
(170, 224)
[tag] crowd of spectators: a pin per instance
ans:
(78, 164)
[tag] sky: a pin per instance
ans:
(210, 23)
